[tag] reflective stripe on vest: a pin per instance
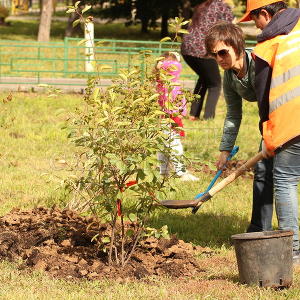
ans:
(284, 99)
(282, 53)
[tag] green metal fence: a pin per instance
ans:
(38, 63)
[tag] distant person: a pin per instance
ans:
(277, 70)
(193, 51)
(225, 43)
(173, 103)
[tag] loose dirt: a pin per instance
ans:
(232, 165)
(60, 242)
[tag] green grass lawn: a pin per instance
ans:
(33, 140)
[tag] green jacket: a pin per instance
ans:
(235, 90)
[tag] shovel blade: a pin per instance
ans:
(178, 204)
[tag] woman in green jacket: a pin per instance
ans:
(225, 43)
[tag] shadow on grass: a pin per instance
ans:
(28, 29)
(20, 28)
(232, 278)
(204, 229)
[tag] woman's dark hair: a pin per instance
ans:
(272, 9)
(228, 33)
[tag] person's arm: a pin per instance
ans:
(232, 121)
(263, 74)
(233, 116)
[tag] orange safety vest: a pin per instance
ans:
(282, 53)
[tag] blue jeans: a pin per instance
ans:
(286, 179)
(262, 206)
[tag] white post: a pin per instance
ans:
(89, 46)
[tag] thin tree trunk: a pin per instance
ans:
(164, 25)
(45, 21)
(136, 239)
(112, 240)
(145, 22)
(186, 10)
(122, 242)
(40, 6)
(70, 30)
(54, 5)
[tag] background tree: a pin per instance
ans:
(45, 21)
(168, 9)
(186, 9)
(70, 29)
(147, 11)
(78, 30)
(4, 13)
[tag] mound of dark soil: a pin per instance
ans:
(61, 243)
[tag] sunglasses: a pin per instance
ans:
(221, 53)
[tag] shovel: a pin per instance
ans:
(196, 203)
(233, 152)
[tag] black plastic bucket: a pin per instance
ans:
(265, 258)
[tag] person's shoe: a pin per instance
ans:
(188, 177)
(193, 118)
(296, 257)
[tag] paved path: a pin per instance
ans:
(25, 84)
(68, 85)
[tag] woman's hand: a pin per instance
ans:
(221, 162)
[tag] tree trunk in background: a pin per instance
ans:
(70, 30)
(145, 23)
(40, 6)
(54, 5)
(45, 21)
(164, 25)
(186, 10)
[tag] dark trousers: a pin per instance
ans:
(262, 207)
(209, 81)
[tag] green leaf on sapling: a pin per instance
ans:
(165, 39)
(86, 8)
(184, 31)
(75, 23)
(105, 240)
(129, 232)
(132, 217)
(70, 10)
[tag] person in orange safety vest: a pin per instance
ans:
(277, 83)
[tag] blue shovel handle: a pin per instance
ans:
(231, 154)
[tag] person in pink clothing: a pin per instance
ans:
(173, 103)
